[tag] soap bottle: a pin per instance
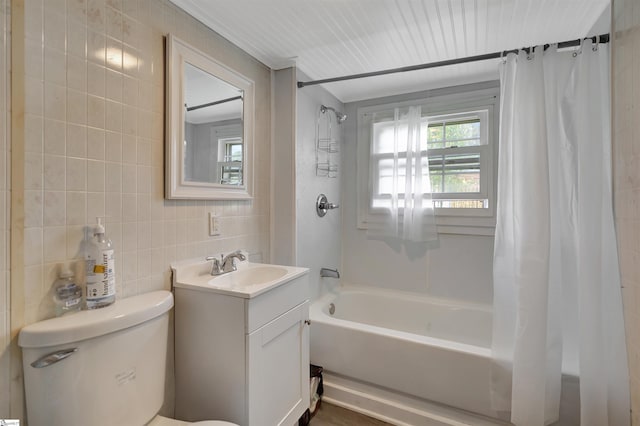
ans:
(67, 295)
(100, 270)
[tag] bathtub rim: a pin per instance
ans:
(318, 312)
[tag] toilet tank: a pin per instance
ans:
(116, 374)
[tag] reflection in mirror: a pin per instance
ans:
(213, 129)
(209, 135)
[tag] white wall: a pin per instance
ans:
(460, 267)
(318, 242)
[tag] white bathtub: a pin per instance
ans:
(429, 349)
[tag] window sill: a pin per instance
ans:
(450, 225)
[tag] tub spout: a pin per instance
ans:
(329, 273)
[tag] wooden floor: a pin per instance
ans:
(331, 415)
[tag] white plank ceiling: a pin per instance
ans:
(331, 38)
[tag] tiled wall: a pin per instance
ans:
(626, 139)
(95, 139)
(94, 142)
(4, 210)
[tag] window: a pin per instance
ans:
(458, 144)
(230, 161)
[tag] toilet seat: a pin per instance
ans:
(164, 421)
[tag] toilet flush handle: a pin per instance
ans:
(53, 357)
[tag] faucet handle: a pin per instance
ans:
(216, 266)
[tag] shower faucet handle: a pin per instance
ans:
(322, 205)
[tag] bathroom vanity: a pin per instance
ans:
(241, 343)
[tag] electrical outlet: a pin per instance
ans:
(214, 225)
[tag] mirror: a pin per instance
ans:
(209, 135)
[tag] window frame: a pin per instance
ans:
(449, 220)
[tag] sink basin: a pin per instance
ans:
(251, 276)
(250, 280)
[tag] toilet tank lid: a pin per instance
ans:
(84, 325)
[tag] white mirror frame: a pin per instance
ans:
(178, 52)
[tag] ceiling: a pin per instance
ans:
(331, 38)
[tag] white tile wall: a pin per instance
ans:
(94, 143)
(626, 113)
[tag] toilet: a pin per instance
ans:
(100, 367)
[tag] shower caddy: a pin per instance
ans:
(326, 144)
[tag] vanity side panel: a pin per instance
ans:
(210, 376)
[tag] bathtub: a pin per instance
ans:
(428, 349)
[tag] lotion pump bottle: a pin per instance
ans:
(100, 268)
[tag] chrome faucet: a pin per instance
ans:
(225, 263)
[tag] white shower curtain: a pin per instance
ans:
(405, 209)
(556, 276)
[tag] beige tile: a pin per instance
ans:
(95, 205)
(113, 177)
(34, 59)
(96, 112)
(113, 116)
(129, 207)
(113, 207)
(114, 85)
(77, 73)
(33, 208)
(95, 176)
(54, 172)
(76, 38)
(76, 140)
(33, 246)
(55, 66)
(129, 149)
(34, 95)
(96, 14)
(95, 144)
(96, 47)
(55, 208)
(95, 79)
(54, 243)
(34, 19)
(76, 208)
(55, 29)
(129, 178)
(55, 101)
(76, 178)
(55, 137)
(34, 128)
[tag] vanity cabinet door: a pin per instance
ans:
(278, 369)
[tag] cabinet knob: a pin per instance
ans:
(308, 322)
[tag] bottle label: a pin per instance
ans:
(72, 302)
(101, 278)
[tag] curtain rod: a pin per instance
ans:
(603, 38)
(213, 103)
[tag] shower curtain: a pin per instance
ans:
(556, 275)
(399, 166)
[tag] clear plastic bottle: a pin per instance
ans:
(100, 267)
(67, 295)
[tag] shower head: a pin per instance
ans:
(340, 116)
